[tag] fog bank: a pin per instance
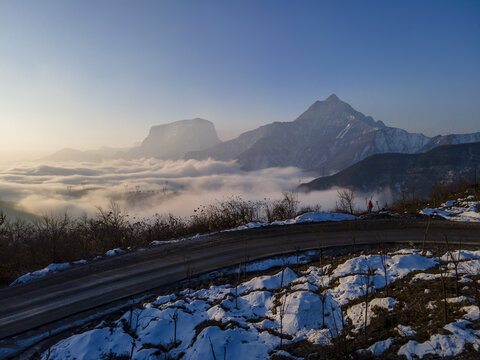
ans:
(147, 187)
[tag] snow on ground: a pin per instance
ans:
(404, 330)
(266, 264)
(444, 345)
(114, 252)
(245, 321)
(459, 255)
(356, 313)
(53, 268)
(398, 266)
(304, 218)
(472, 312)
(380, 347)
(459, 299)
(459, 332)
(269, 282)
(40, 273)
(457, 210)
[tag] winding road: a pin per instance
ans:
(87, 287)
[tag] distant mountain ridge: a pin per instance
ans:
(328, 137)
(68, 154)
(166, 141)
(406, 172)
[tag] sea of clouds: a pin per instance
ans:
(145, 187)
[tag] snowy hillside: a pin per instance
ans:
(306, 311)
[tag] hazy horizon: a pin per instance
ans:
(85, 74)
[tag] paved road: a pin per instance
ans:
(28, 306)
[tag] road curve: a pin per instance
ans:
(29, 306)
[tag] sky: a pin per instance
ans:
(83, 74)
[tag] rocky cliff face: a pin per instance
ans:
(174, 140)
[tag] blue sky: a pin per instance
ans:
(88, 73)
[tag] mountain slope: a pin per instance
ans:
(405, 172)
(328, 137)
(305, 142)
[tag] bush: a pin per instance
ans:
(286, 208)
(28, 247)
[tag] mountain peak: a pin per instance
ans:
(333, 98)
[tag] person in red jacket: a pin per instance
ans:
(370, 206)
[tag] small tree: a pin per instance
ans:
(281, 313)
(443, 279)
(225, 349)
(174, 318)
(211, 348)
(133, 329)
(283, 307)
(384, 258)
(455, 261)
(367, 280)
(236, 284)
(322, 293)
(286, 208)
(346, 199)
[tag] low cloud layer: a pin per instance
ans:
(146, 187)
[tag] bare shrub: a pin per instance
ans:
(286, 208)
(110, 224)
(345, 201)
(309, 208)
(225, 214)
(26, 246)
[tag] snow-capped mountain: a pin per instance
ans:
(328, 137)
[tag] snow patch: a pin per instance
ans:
(52, 268)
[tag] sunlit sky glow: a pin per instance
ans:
(84, 74)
